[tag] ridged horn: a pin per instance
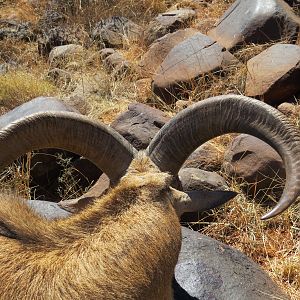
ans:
(102, 145)
(215, 116)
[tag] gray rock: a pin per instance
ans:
(116, 64)
(167, 22)
(208, 269)
(274, 74)
(49, 210)
(61, 35)
(254, 161)
(195, 179)
(139, 124)
(194, 57)
(4, 68)
(152, 59)
(10, 29)
(256, 21)
(114, 31)
(65, 52)
(106, 52)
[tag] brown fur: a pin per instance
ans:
(125, 246)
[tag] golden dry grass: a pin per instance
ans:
(17, 87)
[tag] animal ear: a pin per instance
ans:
(202, 200)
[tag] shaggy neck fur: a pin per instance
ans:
(125, 246)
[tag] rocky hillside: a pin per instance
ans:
(134, 65)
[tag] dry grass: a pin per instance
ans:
(17, 87)
(274, 244)
(90, 13)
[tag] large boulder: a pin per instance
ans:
(167, 22)
(193, 57)
(208, 269)
(115, 32)
(254, 161)
(274, 74)
(152, 59)
(256, 21)
(139, 124)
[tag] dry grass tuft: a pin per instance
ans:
(17, 87)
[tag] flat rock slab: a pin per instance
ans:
(256, 21)
(152, 59)
(195, 56)
(139, 124)
(208, 269)
(274, 74)
(167, 22)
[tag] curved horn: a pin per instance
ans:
(215, 116)
(103, 146)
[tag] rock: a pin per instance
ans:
(61, 54)
(208, 269)
(152, 59)
(116, 64)
(4, 68)
(256, 21)
(194, 57)
(104, 53)
(206, 157)
(49, 210)
(139, 124)
(60, 77)
(254, 161)
(168, 22)
(10, 29)
(274, 74)
(61, 35)
(195, 179)
(115, 31)
(290, 110)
